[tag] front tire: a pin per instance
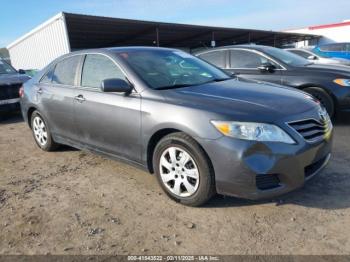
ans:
(325, 99)
(183, 170)
(41, 133)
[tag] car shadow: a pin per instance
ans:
(65, 148)
(342, 118)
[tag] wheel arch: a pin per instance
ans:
(30, 111)
(157, 136)
(334, 99)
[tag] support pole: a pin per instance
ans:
(157, 36)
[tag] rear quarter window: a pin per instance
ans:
(47, 77)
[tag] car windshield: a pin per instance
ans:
(6, 68)
(166, 69)
(286, 57)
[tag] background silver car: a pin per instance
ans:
(318, 58)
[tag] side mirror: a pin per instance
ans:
(267, 67)
(115, 85)
(21, 71)
(312, 57)
(233, 74)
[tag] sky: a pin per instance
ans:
(17, 17)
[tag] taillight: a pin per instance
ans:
(21, 91)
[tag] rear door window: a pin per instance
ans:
(216, 58)
(98, 68)
(66, 71)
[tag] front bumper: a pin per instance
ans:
(249, 169)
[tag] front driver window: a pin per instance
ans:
(243, 59)
(98, 68)
(302, 53)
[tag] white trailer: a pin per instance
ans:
(40, 46)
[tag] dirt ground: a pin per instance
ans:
(73, 202)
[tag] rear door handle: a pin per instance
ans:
(80, 98)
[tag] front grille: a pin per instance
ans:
(312, 130)
(267, 181)
(9, 91)
(314, 167)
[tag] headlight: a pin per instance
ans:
(342, 82)
(253, 131)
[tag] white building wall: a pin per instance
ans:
(331, 34)
(41, 45)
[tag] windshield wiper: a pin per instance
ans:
(217, 80)
(172, 86)
(197, 84)
(221, 79)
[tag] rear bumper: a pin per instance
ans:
(255, 170)
(10, 105)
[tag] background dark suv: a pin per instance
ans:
(10, 83)
(329, 84)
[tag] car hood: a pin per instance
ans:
(333, 69)
(6, 79)
(242, 99)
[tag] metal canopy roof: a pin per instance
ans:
(86, 31)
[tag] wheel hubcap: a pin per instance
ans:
(40, 131)
(179, 172)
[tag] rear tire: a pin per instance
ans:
(324, 98)
(41, 133)
(183, 170)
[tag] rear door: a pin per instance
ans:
(109, 122)
(245, 63)
(56, 91)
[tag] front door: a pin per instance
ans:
(108, 122)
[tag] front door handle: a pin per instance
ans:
(39, 90)
(80, 98)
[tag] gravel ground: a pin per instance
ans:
(73, 202)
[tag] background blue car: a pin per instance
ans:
(341, 50)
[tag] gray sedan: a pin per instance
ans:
(199, 130)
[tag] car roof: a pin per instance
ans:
(301, 49)
(333, 43)
(247, 46)
(118, 49)
(109, 50)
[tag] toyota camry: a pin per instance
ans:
(199, 130)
